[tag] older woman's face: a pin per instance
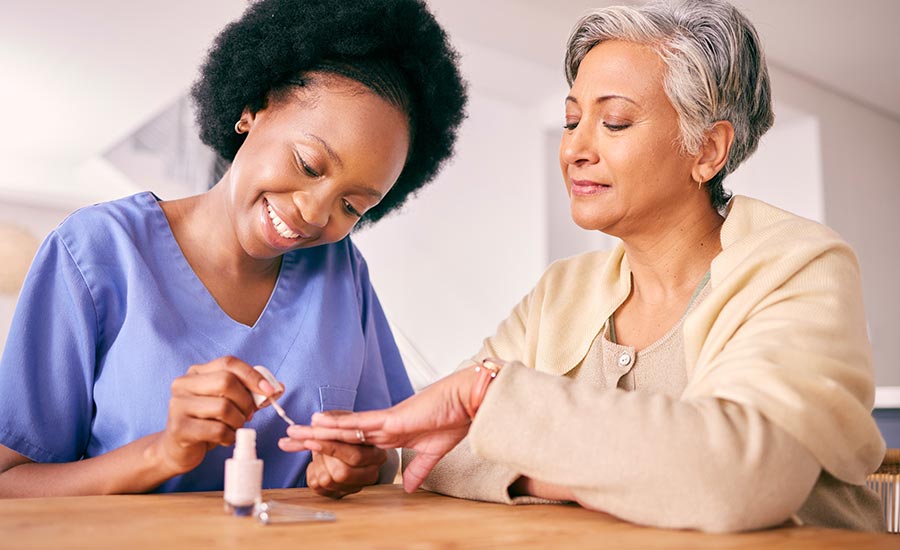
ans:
(619, 154)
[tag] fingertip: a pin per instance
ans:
(295, 430)
(409, 486)
(266, 387)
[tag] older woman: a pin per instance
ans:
(713, 370)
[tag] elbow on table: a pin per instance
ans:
(704, 505)
(730, 509)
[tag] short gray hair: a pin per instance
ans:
(716, 69)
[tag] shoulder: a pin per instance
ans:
(101, 225)
(753, 221)
(756, 234)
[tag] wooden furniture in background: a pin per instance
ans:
(886, 483)
(379, 517)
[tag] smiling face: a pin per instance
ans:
(620, 157)
(313, 162)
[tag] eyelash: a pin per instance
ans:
(350, 210)
(306, 168)
(610, 127)
(615, 127)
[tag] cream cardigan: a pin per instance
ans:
(782, 332)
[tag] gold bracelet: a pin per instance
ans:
(487, 370)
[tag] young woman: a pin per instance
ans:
(128, 367)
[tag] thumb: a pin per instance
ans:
(417, 470)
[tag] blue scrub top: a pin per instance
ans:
(111, 313)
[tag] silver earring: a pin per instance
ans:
(237, 126)
(699, 184)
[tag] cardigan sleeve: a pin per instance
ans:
(706, 464)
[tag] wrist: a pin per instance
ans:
(485, 373)
(157, 462)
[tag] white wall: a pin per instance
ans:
(466, 250)
(786, 169)
(860, 150)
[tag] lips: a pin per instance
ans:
(587, 187)
(282, 228)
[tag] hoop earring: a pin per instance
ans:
(237, 126)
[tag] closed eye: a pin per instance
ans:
(349, 209)
(307, 169)
(615, 127)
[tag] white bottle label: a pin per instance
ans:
(243, 481)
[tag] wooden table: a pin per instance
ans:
(379, 517)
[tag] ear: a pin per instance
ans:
(245, 123)
(714, 151)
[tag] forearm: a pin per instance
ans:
(135, 468)
(650, 459)
(462, 474)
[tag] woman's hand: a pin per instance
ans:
(340, 469)
(207, 406)
(431, 422)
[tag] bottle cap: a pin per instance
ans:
(245, 444)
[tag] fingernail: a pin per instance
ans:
(266, 387)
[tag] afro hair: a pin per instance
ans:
(276, 41)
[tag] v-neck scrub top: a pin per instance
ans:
(111, 313)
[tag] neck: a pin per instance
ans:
(207, 236)
(668, 260)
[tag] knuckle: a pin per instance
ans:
(355, 456)
(325, 481)
(341, 472)
(221, 432)
(176, 385)
(221, 408)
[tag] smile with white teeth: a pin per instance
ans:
(280, 227)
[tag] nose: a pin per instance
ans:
(577, 146)
(314, 210)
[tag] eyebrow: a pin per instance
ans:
(369, 191)
(603, 98)
(328, 150)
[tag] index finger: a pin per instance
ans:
(252, 379)
(368, 420)
(299, 432)
(353, 455)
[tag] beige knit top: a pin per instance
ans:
(660, 368)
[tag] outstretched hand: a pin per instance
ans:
(431, 423)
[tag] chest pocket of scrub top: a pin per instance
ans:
(334, 398)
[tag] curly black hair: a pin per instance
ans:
(394, 47)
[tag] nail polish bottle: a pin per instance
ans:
(243, 475)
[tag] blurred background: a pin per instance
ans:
(95, 108)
